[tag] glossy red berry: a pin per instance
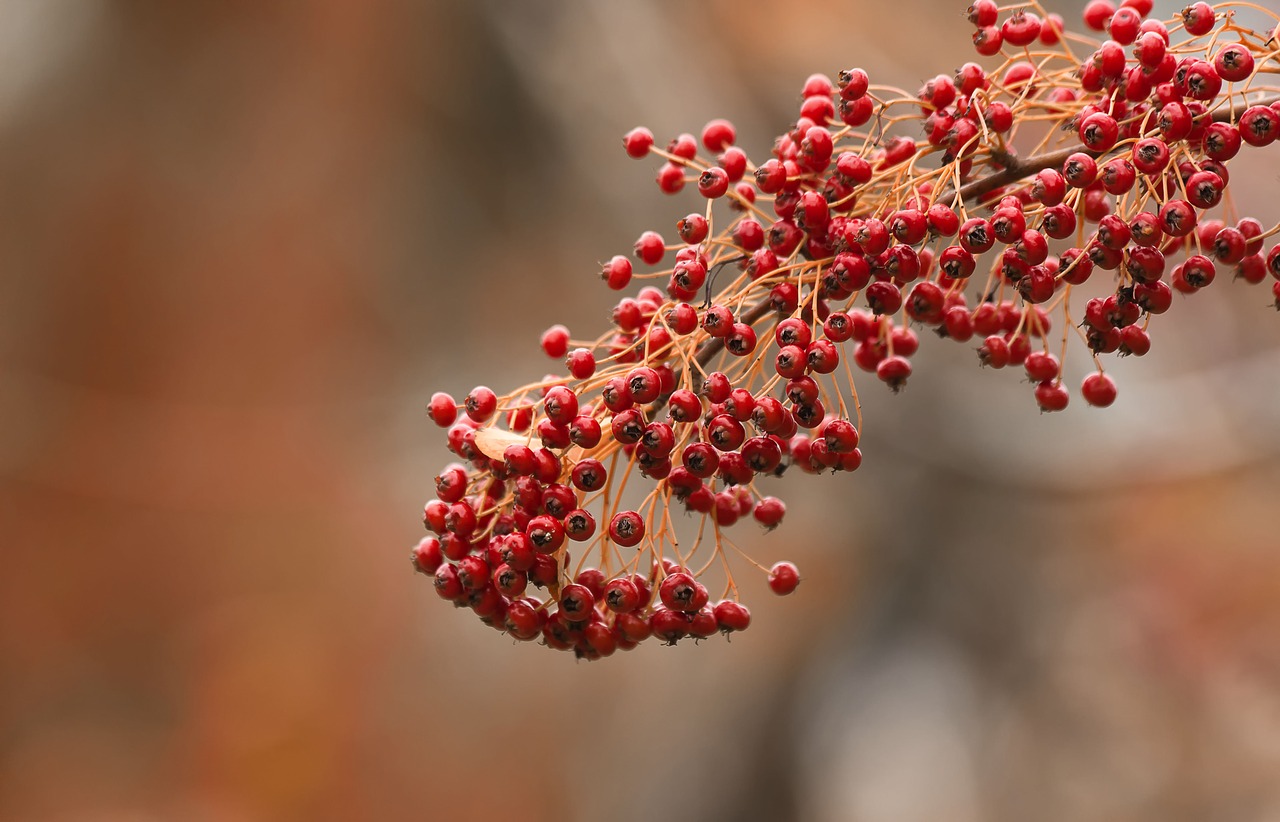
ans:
(1098, 390)
(783, 578)
(637, 142)
(626, 529)
(717, 135)
(1051, 396)
(1198, 18)
(442, 409)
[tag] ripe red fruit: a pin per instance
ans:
(718, 135)
(783, 578)
(731, 616)
(637, 142)
(442, 409)
(1098, 390)
(1052, 396)
(626, 529)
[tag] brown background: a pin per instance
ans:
(239, 247)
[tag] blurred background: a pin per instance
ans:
(242, 243)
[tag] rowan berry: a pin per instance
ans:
(1099, 132)
(626, 529)
(783, 578)
(1177, 218)
(576, 603)
(1259, 125)
(717, 135)
(731, 616)
(617, 272)
(693, 228)
(447, 584)
(713, 183)
(987, 40)
(1080, 170)
(741, 340)
(884, 297)
(893, 371)
(669, 626)
(1134, 340)
(650, 248)
(670, 178)
(1198, 18)
(442, 409)
(637, 142)
(1098, 390)
(427, 556)
(734, 161)
(1051, 396)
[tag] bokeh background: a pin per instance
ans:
(242, 243)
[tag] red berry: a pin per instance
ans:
(1198, 19)
(894, 371)
(626, 529)
(638, 141)
(783, 578)
(427, 556)
(617, 272)
(480, 404)
(442, 409)
(1098, 390)
(1097, 14)
(718, 135)
(577, 604)
(731, 616)
(1052, 396)
(581, 363)
(650, 248)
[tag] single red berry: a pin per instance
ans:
(555, 341)
(718, 135)
(894, 371)
(1097, 14)
(481, 403)
(427, 556)
(617, 272)
(1259, 125)
(1135, 341)
(581, 363)
(447, 584)
(1123, 26)
(713, 183)
(783, 578)
(637, 142)
(1052, 396)
(681, 592)
(576, 603)
(987, 40)
(670, 178)
(650, 247)
(1041, 366)
(442, 409)
(1021, 28)
(1233, 63)
(1198, 19)
(1080, 170)
(1098, 390)
(731, 616)
(626, 528)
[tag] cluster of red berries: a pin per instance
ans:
(1048, 173)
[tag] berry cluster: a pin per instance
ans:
(1073, 165)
